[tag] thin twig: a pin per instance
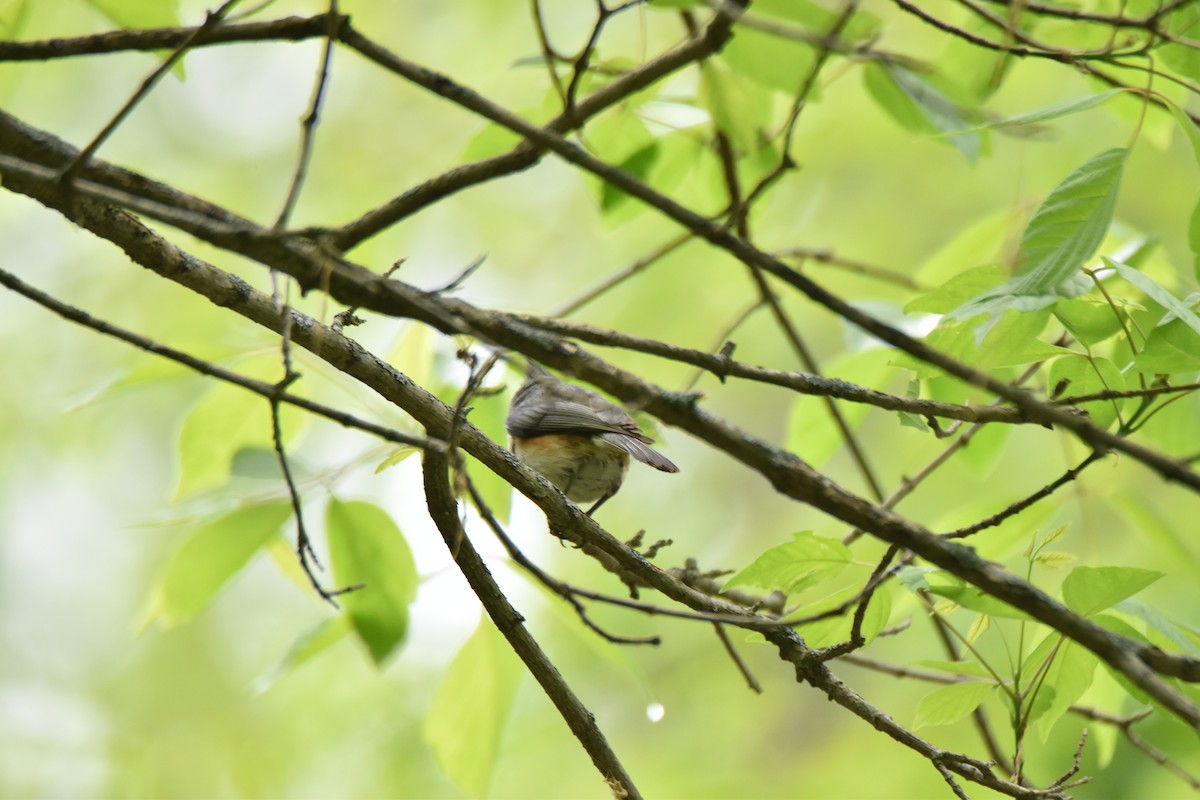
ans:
(736, 657)
(563, 590)
(1025, 502)
(261, 388)
(73, 168)
(308, 126)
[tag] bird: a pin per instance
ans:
(575, 438)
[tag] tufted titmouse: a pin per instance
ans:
(575, 438)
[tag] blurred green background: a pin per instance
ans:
(98, 699)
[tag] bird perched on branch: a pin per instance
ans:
(575, 438)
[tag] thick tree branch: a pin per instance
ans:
(148, 40)
(443, 508)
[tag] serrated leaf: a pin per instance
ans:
(366, 547)
(951, 703)
(1088, 590)
(958, 290)
(1064, 232)
(472, 704)
(908, 420)
(1055, 559)
(794, 566)
(1054, 535)
(210, 556)
(978, 628)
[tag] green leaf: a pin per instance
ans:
(1055, 559)
(638, 165)
(810, 432)
(327, 633)
(617, 134)
(139, 13)
(1082, 375)
(732, 104)
(1063, 233)
(1091, 320)
(1193, 236)
(777, 62)
(14, 16)
(465, 723)
(1178, 636)
(971, 669)
(1176, 308)
(1070, 224)
(835, 629)
(1188, 127)
(366, 547)
(1011, 340)
(210, 556)
(1183, 58)
(919, 107)
(396, 456)
(1046, 114)
(226, 421)
(979, 627)
(794, 566)
(819, 19)
(977, 600)
(958, 290)
(1068, 677)
(951, 703)
(1088, 590)
(1169, 349)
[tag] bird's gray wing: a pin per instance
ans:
(560, 417)
(641, 451)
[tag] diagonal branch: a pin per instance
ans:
(443, 508)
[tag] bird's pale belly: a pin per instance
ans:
(585, 469)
